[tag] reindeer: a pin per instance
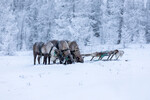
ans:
(51, 52)
(74, 48)
(55, 43)
(60, 55)
(64, 48)
(37, 51)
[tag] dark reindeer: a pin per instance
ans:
(64, 48)
(74, 48)
(37, 51)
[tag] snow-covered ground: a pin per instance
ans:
(125, 79)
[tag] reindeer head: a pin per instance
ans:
(69, 59)
(59, 55)
(77, 56)
(79, 59)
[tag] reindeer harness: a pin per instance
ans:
(51, 50)
(64, 54)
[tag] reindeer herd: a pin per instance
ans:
(67, 52)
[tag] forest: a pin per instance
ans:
(89, 22)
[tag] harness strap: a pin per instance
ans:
(73, 54)
(67, 58)
(40, 50)
(74, 51)
(105, 54)
(51, 50)
(65, 50)
(57, 45)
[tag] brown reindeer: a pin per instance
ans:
(60, 55)
(64, 48)
(74, 48)
(55, 43)
(50, 52)
(37, 51)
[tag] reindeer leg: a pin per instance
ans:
(35, 59)
(65, 62)
(54, 62)
(39, 59)
(49, 59)
(60, 62)
(92, 58)
(45, 60)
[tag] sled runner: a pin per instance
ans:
(110, 54)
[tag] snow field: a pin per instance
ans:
(125, 79)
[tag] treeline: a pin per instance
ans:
(24, 22)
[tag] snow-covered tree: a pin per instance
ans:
(112, 20)
(8, 28)
(134, 22)
(148, 21)
(89, 22)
